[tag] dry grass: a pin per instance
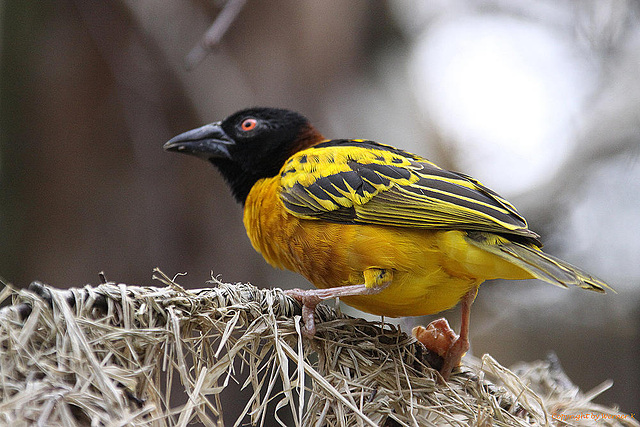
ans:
(112, 354)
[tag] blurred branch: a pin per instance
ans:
(214, 34)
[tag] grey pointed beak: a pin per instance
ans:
(209, 141)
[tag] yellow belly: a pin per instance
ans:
(431, 269)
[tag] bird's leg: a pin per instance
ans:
(438, 337)
(453, 357)
(375, 280)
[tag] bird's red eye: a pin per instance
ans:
(248, 124)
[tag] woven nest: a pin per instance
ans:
(113, 354)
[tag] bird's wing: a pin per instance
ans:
(356, 181)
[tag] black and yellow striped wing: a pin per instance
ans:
(357, 181)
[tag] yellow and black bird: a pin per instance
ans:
(387, 231)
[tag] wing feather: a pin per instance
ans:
(356, 181)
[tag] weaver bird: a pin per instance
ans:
(387, 231)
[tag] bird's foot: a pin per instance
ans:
(439, 338)
(311, 298)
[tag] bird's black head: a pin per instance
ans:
(249, 145)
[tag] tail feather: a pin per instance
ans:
(539, 264)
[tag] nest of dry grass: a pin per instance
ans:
(113, 354)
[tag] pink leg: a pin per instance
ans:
(461, 345)
(311, 298)
(440, 338)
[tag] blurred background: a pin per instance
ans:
(539, 100)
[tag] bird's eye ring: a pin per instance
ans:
(248, 124)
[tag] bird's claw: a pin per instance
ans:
(439, 338)
(309, 301)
